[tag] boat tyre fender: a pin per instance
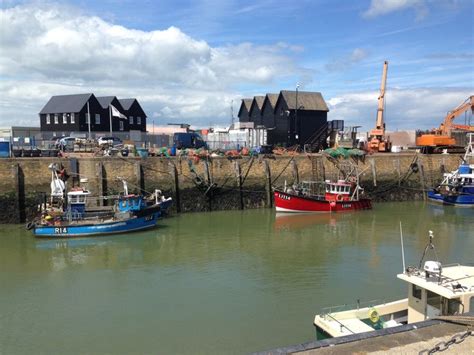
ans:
(30, 225)
(374, 315)
(339, 197)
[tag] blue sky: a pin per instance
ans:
(189, 60)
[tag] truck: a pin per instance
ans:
(182, 140)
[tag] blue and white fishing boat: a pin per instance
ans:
(457, 187)
(66, 214)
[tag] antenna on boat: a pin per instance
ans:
(403, 251)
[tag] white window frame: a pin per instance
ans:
(139, 120)
(64, 118)
(48, 119)
(121, 125)
(130, 119)
(56, 118)
(97, 118)
(73, 117)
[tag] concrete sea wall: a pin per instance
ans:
(215, 183)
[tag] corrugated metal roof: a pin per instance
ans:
(306, 100)
(66, 103)
(126, 103)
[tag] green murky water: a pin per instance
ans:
(223, 282)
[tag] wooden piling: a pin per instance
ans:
(174, 173)
(422, 178)
(209, 191)
(140, 176)
(101, 180)
(294, 170)
(268, 185)
(374, 171)
(238, 173)
(19, 180)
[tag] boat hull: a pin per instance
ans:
(286, 202)
(78, 230)
(466, 200)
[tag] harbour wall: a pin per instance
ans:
(217, 183)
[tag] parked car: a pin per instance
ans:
(112, 141)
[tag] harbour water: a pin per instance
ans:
(220, 282)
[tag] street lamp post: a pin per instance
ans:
(296, 116)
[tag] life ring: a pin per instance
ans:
(339, 197)
(374, 315)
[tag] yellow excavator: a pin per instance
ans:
(441, 137)
(377, 140)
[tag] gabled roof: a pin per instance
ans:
(270, 99)
(307, 100)
(245, 103)
(66, 103)
(257, 102)
(105, 101)
(127, 103)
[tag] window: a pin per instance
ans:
(97, 118)
(56, 118)
(48, 118)
(73, 118)
(121, 125)
(433, 299)
(64, 118)
(87, 118)
(139, 120)
(131, 119)
(416, 291)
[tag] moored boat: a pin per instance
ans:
(433, 290)
(457, 187)
(67, 215)
(309, 196)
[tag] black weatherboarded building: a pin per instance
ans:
(291, 117)
(65, 114)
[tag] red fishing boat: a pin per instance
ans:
(310, 196)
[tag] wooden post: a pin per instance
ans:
(19, 180)
(268, 185)
(398, 171)
(209, 184)
(174, 173)
(238, 173)
(294, 169)
(374, 171)
(99, 173)
(422, 178)
(140, 176)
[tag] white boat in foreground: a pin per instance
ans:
(435, 290)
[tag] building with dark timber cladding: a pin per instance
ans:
(291, 117)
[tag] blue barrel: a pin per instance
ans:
(4, 149)
(173, 151)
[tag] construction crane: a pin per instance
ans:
(441, 137)
(377, 140)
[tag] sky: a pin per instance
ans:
(192, 61)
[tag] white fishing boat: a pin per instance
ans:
(433, 290)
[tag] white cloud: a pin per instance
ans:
(422, 108)
(346, 61)
(383, 7)
(51, 50)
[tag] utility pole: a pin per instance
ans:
(297, 140)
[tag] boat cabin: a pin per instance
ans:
(338, 191)
(76, 199)
(439, 290)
